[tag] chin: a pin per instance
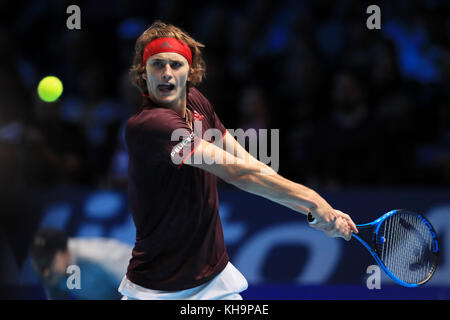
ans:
(166, 101)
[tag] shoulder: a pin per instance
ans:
(154, 119)
(194, 93)
(195, 96)
(199, 101)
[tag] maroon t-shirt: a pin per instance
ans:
(175, 207)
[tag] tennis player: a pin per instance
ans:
(179, 251)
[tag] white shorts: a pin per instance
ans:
(225, 286)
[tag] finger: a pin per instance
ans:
(354, 228)
(351, 224)
(344, 229)
(348, 235)
(349, 221)
(338, 230)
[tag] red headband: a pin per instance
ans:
(167, 45)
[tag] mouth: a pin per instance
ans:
(166, 87)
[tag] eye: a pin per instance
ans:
(175, 64)
(157, 64)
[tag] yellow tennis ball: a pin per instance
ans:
(50, 89)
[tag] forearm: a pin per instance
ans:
(259, 179)
(253, 176)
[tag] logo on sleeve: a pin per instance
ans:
(181, 145)
(198, 116)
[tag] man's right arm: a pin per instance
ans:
(251, 175)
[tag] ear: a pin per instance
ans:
(189, 78)
(144, 76)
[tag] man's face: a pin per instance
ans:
(166, 76)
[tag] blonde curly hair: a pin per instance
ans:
(159, 29)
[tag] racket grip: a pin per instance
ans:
(311, 219)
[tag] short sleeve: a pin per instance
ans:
(160, 136)
(213, 118)
(217, 124)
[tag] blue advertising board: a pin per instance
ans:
(273, 246)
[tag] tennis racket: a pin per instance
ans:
(404, 244)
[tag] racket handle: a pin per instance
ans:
(311, 219)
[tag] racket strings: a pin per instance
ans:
(404, 244)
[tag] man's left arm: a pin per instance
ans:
(231, 145)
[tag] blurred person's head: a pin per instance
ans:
(350, 109)
(384, 70)
(50, 254)
(13, 100)
(301, 71)
(170, 67)
(347, 91)
(92, 84)
(48, 112)
(253, 109)
(128, 94)
(444, 66)
(395, 113)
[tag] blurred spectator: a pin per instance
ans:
(253, 109)
(56, 151)
(129, 102)
(102, 263)
(343, 142)
(354, 106)
(292, 51)
(101, 117)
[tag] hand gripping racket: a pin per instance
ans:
(404, 244)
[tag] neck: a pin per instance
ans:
(180, 107)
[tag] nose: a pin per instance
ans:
(167, 72)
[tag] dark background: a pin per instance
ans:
(356, 108)
(353, 105)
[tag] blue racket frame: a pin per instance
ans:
(374, 254)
